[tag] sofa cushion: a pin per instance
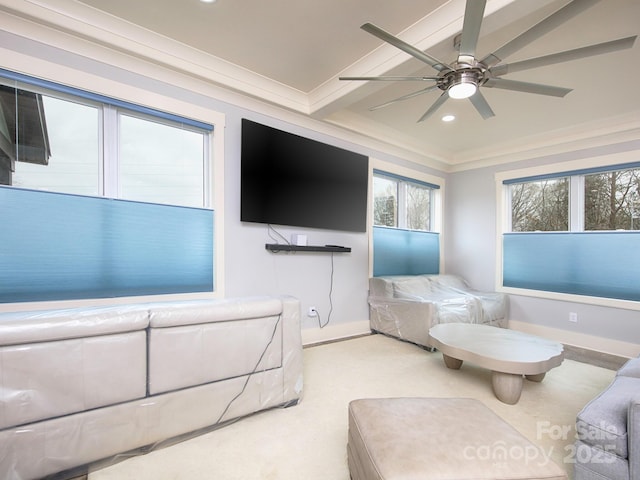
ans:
(412, 288)
(184, 356)
(43, 380)
(630, 369)
(603, 421)
(450, 281)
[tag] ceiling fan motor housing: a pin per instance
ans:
(462, 75)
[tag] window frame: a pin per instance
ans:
(576, 221)
(155, 102)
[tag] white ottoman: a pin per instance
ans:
(439, 438)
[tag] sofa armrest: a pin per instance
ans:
(633, 433)
(402, 318)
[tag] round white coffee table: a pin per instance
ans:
(509, 354)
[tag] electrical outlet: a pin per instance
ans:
(312, 312)
(573, 317)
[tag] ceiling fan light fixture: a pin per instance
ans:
(462, 87)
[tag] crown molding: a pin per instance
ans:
(594, 134)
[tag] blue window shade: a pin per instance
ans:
(405, 252)
(599, 264)
(60, 247)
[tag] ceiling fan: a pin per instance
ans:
(464, 77)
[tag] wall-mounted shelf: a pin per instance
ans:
(278, 247)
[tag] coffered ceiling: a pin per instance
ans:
(291, 53)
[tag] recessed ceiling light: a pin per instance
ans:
(448, 118)
(208, 1)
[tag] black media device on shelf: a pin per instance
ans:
(290, 180)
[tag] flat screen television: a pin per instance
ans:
(290, 180)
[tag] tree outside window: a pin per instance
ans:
(540, 206)
(385, 200)
(418, 207)
(612, 200)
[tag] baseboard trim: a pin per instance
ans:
(331, 333)
(599, 359)
(581, 341)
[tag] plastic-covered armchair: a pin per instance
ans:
(407, 306)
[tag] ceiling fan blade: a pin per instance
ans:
(552, 21)
(473, 15)
(483, 108)
(436, 105)
(405, 47)
(575, 54)
(526, 87)
(404, 97)
(390, 79)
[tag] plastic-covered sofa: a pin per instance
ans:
(407, 306)
(86, 385)
(608, 430)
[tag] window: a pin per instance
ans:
(401, 203)
(612, 200)
(101, 198)
(404, 240)
(57, 142)
(574, 232)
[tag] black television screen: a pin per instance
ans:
(290, 180)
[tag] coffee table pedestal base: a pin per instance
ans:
(452, 363)
(535, 378)
(507, 387)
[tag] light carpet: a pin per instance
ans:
(308, 441)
